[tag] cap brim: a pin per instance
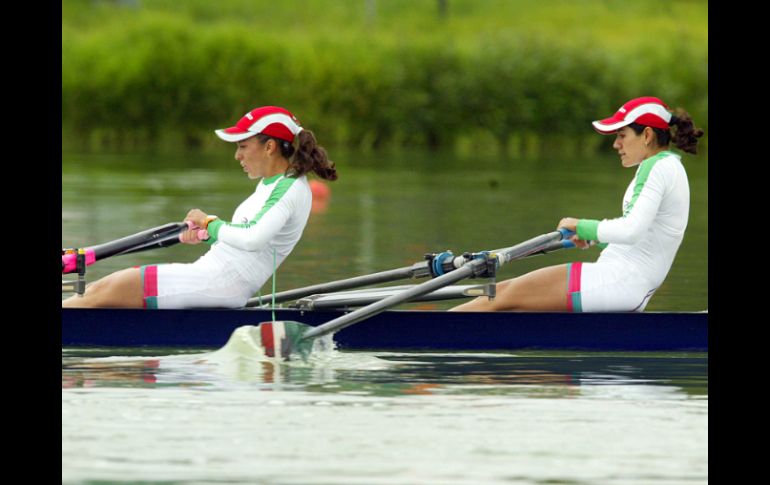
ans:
(610, 125)
(233, 135)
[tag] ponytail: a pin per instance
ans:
(686, 135)
(308, 157)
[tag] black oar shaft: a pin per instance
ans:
(135, 242)
(161, 242)
(503, 256)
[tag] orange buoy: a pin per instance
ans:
(321, 195)
(320, 190)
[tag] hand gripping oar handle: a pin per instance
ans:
(160, 236)
(502, 257)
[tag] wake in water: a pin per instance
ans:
(241, 359)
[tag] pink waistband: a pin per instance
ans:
(150, 286)
(573, 287)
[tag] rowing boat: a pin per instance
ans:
(398, 329)
(385, 326)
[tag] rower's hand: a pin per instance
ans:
(190, 236)
(197, 217)
(579, 243)
(570, 223)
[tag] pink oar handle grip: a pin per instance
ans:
(70, 261)
(203, 234)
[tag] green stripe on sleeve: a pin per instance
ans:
(278, 192)
(641, 177)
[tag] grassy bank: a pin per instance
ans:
(510, 74)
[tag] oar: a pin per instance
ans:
(346, 300)
(420, 269)
(417, 270)
(162, 242)
(276, 332)
(161, 236)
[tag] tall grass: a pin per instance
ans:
(497, 73)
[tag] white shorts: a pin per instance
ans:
(179, 285)
(593, 287)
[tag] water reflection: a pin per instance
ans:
(527, 374)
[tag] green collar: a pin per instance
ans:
(270, 180)
(659, 155)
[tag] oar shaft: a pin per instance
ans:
(393, 300)
(162, 242)
(528, 248)
(347, 300)
(417, 270)
(503, 256)
(140, 239)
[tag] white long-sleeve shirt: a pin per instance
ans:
(272, 218)
(656, 207)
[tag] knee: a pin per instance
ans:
(122, 288)
(506, 296)
(103, 285)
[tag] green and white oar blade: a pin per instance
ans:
(284, 339)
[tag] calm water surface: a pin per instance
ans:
(163, 416)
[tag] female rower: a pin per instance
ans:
(245, 251)
(639, 247)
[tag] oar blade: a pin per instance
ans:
(284, 338)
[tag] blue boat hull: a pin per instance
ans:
(398, 329)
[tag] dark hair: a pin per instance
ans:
(685, 137)
(309, 156)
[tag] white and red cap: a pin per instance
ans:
(268, 120)
(647, 111)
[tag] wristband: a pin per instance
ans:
(209, 220)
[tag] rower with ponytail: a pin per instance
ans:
(246, 248)
(639, 245)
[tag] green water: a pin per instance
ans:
(386, 210)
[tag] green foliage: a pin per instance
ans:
(398, 75)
